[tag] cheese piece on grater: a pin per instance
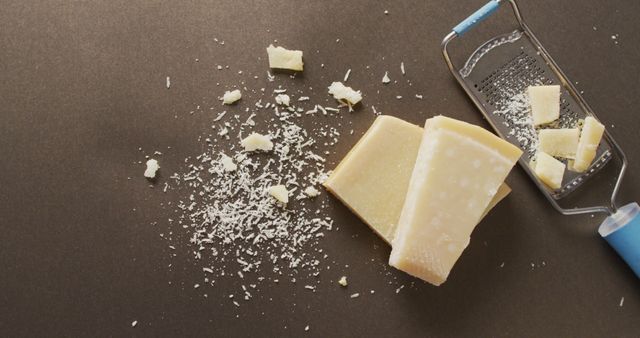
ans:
(545, 103)
(373, 178)
(559, 142)
(590, 137)
(458, 170)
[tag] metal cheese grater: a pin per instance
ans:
(496, 77)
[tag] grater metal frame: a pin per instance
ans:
(615, 149)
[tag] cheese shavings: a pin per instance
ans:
(311, 191)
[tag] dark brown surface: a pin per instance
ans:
(83, 86)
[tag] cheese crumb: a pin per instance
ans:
(346, 75)
(230, 97)
(343, 281)
(385, 78)
(134, 323)
(311, 192)
(355, 295)
(257, 141)
(168, 82)
(306, 328)
(402, 68)
(227, 163)
(283, 99)
(345, 94)
(282, 58)
(280, 193)
(152, 168)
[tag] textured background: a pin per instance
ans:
(83, 86)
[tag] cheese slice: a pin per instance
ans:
(590, 137)
(545, 103)
(559, 142)
(373, 178)
(549, 170)
(458, 170)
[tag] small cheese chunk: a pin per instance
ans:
(559, 142)
(284, 59)
(590, 137)
(549, 170)
(545, 103)
(227, 163)
(152, 168)
(257, 141)
(280, 193)
(345, 94)
(230, 97)
(373, 178)
(385, 78)
(343, 281)
(458, 171)
(283, 99)
(311, 191)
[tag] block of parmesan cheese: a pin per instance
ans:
(545, 103)
(373, 178)
(282, 58)
(559, 142)
(458, 170)
(590, 137)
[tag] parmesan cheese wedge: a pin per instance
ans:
(282, 58)
(459, 169)
(545, 103)
(559, 142)
(590, 137)
(549, 170)
(373, 178)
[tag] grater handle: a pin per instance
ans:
(622, 231)
(475, 18)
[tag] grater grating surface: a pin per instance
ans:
(498, 74)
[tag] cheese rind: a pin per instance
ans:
(590, 137)
(458, 171)
(373, 178)
(549, 170)
(282, 58)
(545, 103)
(559, 142)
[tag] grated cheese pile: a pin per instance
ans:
(251, 204)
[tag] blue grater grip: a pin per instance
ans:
(622, 231)
(479, 15)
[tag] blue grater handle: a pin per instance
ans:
(475, 18)
(622, 231)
